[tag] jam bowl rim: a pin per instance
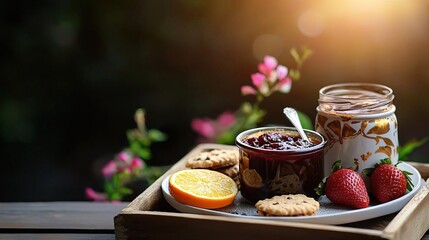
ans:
(302, 151)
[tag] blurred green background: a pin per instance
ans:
(74, 72)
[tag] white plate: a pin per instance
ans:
(329, 213)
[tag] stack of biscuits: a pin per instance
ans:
(221, 160)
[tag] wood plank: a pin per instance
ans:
(423, 168)
(412, 221)
(44, 236)
(59, 215)
(159, 225)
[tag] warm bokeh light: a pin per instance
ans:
(368, 36)
(311, 23)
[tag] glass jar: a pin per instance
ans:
(265, 173)
(359, 121)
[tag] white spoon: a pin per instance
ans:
(292, 115)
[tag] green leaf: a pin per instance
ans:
(246, 108)
(368, 171)
(408, 148)
(386, 161)
(156, 135)
(305, 120)
(144, 153)
(226, 138)
(139, 150)
(294, 74)
(383, 161)
(135, 147)
(123, 177)
(108, 188)
(295, 55)
(320, 189)
(336, 166)
(410, 184)
(115, 196)
(125, 191)
(306, 53)
(116, 181)
(253, 118)
(354, 167)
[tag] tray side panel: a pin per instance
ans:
(423, 168)
(413, 220)
(174, 226)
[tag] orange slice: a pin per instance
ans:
(203, 188)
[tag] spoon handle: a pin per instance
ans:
(294, 119)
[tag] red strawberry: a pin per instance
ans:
(345, 187)
(387, 181)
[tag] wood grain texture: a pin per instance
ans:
(158, 225)
(413, 220)
(423, 168)
(59, 215)
(44, 236)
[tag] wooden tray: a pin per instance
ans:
(149, 216)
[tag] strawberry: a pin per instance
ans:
(345, 187)
(387, 181)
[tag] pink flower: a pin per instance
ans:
(124, 156)
(109, 169)
(247, 90)
(226, 119)
(284, 85)
(269, 64)
(123, 160)
(281, 72)
(136, 163)
(210, 129)
(95, 196)
(258, 79)
(203, 126)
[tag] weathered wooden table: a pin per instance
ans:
(61, 220)
(58, 220)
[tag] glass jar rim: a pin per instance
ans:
(356, 98)
(290, 152)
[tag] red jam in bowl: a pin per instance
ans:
(277, 141)
(277, 161)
